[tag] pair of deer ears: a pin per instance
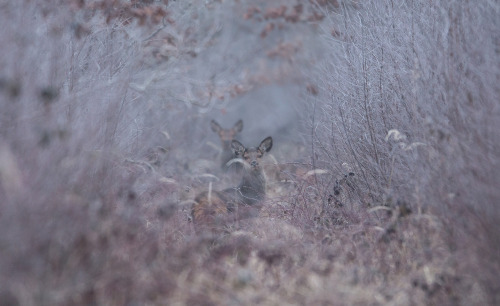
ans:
(265, 146)
(237, 128)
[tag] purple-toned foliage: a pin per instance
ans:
(381, 184)
(409, 102)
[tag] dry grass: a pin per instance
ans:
(384, 194)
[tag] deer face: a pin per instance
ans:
(226, 135)
(252, 156)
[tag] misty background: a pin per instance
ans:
(105, 110)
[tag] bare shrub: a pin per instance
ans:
(409, 103)
(381, 185)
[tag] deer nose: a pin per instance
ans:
(253, 163)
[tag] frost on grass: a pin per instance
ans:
(381, 183)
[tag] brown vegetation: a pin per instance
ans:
(381, 188)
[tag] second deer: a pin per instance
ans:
(226, 136)
(212, 208)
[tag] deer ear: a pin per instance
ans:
(266, 145)
(237, 147)
(215, 126)
(238, 126)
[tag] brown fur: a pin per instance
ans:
(226, 137)
(213, 208)
(210, 209)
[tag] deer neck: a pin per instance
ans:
(225, 156)
(252, 188)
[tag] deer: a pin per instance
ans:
(212, 208)
(226, 136)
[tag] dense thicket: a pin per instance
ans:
(392, 107)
